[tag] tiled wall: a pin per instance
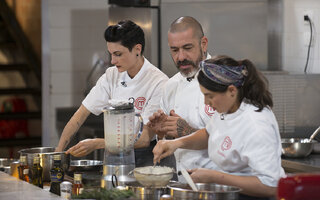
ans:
(72, 36)
(295, 35)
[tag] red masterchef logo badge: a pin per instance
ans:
(209, 110)
(226, 144)
(139, 102)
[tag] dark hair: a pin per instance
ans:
(255, 87)
(127, 33)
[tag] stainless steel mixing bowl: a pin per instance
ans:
(296, 147)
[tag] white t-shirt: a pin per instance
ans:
(146, 88)
(247, 143)
(188, 102)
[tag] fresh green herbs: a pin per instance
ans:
(103, 194)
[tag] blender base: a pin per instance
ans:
(116, 175)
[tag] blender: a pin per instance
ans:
(119, 160)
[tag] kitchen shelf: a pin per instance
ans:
(21, 142)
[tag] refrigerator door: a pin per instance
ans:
(147, 19)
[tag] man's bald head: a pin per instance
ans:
(183, 23)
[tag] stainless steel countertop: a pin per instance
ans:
(310, 163)
(14, 189)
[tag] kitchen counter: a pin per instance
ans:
(14, 189)
(310, 163)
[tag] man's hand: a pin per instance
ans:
(156, 123)
(176, 127)
(85, 147)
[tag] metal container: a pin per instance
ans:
(296, 147)
(149, 193)
(86, 165)
(46, 159)
(5, 164)
(206, 191)
(153, 176)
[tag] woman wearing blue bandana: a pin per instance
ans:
(243, 139)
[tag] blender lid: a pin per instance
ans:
(120, 104)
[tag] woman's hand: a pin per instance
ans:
(163, 149)
(201, 175)
(85, 147)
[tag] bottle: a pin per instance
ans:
(56, 175)
(66, 190)
(77, 187)
(23, 169)
(37, 171)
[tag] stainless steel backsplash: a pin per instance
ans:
(296, 102)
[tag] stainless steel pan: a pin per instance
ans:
(298, 147)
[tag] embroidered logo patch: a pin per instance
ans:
(226, 144)
(139, 102)
(209, 110)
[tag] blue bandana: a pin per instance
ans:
(223, 74)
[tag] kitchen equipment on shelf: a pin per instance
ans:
(119, 138)
(296, 147)
(183, 191)
(85, 165)
(46, 159)
(299, 186)
(153, 176)
(144, 193)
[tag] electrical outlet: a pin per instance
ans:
(309, 13)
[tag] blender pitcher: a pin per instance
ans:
(119, 126)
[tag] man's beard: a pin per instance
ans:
(190, 72)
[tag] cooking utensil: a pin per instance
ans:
(189, 180)
(149, 176)
(46, 159)
(314, 134)
(86, 165)
(183, 191)
(296, 147)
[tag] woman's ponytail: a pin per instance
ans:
(255, 87)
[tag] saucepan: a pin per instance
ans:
(206, 191)
(85, 165)
(298, 147)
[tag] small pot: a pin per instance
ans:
(297, 147)
(46, 159)
(85, 165)
(206, 191)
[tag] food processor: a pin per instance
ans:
(119, 135)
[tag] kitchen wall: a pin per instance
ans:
(72, 39)
(295, 35)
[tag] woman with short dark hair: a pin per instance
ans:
(243, 138)
(131, 76)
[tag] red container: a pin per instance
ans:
(299, 187)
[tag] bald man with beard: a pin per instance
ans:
(182, 104)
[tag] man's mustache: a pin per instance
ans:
(185, 62)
